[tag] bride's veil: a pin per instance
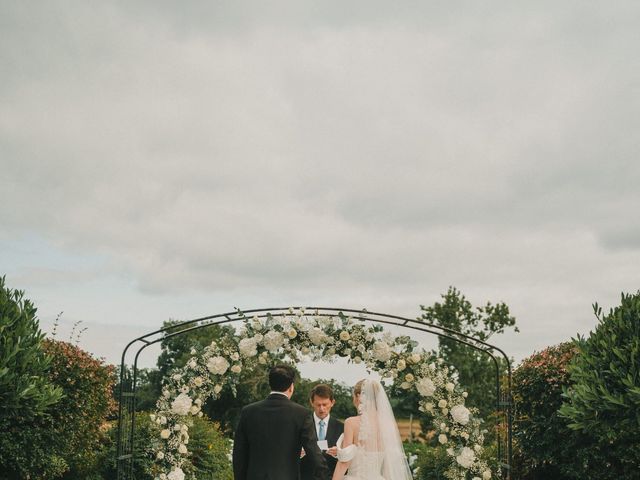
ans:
(379, 434)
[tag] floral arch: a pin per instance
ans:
(317, 335)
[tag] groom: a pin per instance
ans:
(271, 433)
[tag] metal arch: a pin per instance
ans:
(125, 444)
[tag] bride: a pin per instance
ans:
(370, 448)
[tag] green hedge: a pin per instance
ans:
(26, 393)
(603, 399)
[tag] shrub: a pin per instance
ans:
(537, 395)
(432, 462)
(79, 419)
(210, 450)
(604, 398)
(26, 394)
(144, 435)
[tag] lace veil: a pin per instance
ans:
(379, 436)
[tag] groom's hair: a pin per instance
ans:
(321, 390)
(281, 377)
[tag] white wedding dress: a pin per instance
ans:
(377, 453)
(364, 465)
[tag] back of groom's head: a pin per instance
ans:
(281, 377)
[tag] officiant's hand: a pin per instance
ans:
(333, 451)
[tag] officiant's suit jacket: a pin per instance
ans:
(268, 440)
(335, 428)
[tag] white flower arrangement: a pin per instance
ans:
(182, 404)
(218, 365)
(460, 414)
(319, 338)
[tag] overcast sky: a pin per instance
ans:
(171, 160)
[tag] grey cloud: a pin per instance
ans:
(333, 152)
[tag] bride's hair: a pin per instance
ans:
(357, 389)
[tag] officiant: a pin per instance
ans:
(328, 429)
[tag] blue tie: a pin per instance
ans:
(321, 432)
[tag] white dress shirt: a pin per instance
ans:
(316, 419)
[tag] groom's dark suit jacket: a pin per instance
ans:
(268, 440)
(335, 428)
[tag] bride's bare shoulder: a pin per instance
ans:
(353, 421)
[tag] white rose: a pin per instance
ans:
(177, 427)
(164, 434)
(182, 449)
(465, 394)
(357, 360)
(236, 369)
(273, 340)
(486, 475)
(442, 438)
(160, 455)
(193, 364)
(163, 476)
(176, 474)
(344, 335)
(442, 403)
(415, 358)
(316, 336)
(292, 333)
(181, 404)
(305, 350)
(194, 409)
(218, 365)
(405, 385)
(460, 414)
(409, 377)
(449, 386)
(198, 381)
(401, 365)
(381, 351)
(466, 457)
(445, 411)
(248, 347)
(217, 389)
(426, 387)
(429, 407)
